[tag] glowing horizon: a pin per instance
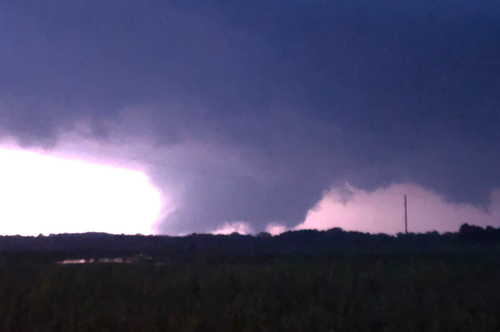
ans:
(45, 194)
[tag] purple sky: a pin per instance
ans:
(251, 112)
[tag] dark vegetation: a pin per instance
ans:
(298, 281)
(248, 248)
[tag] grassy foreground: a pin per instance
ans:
(454, 293)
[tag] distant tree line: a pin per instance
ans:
(235, 246)
(475, 234)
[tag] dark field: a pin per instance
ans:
(420, 293)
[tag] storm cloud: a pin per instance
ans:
(252, 111)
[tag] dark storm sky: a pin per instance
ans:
(277, 101)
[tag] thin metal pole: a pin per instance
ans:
(406, 217)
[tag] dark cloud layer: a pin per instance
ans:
(306, 94)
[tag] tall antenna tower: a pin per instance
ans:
(406, 217)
